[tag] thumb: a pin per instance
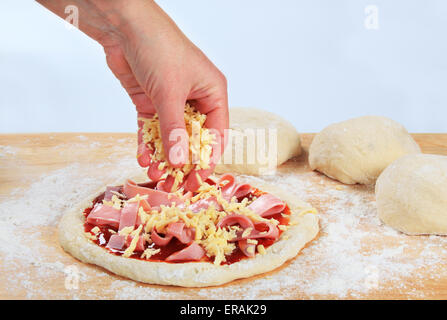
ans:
(173, 132)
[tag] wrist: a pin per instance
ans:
(134, 22)
(124, 16)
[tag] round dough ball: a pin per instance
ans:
(253, 147)
(411, 194)
(359, 149)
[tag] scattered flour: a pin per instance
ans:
(347, 260)
(7, 150)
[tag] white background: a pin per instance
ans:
(311, 61)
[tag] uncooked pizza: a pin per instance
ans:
(227, 229)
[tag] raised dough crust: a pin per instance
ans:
(192, 274)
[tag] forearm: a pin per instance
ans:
(109, 21)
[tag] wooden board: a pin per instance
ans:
(26, 160)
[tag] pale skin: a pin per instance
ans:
(160, 69)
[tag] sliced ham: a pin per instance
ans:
(159, 240)
(227, 189)
(233, 219)
(120, 242)
(156, 198)
(245, 248)
(104, 215)
(140, 243)
(116, 242)
(129, 215)
(272, 232)
(148, 184)
(145, 205)
(241, 190)
(193, 252)
(267, 205)
(179, 230)
(231, 188)
(175, 229)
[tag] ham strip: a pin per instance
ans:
(129, 215)
(241, 190)
(159, 240)
(193, 252)
(267, 205)
(116, 242)
(183, 234)
(231, 188)
(175, 229)
(156, 198)
(104, 215)
(120, 242)
(271, 233)
(140, 242)
(233, 219)
(244, 246)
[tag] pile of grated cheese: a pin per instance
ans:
(200, 144)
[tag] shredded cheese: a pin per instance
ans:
(125, 231)
(149, 252)
(133, 244)
(200, 144)
(95, 230)
(114, 202)
(90, 236)
(215, 241)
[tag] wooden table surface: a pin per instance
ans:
(26, 158)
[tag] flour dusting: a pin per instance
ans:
(347, 260)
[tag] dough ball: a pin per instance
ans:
(258, 142)
(411, 194)
(359, 149)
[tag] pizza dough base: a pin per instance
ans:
(288, 142)
(359, 149)
(411, 194)
(191, 274)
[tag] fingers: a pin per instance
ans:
(154, 173)
(215, 106)
(173, 132)
(121, 69)
(143, 152)
(143, 155)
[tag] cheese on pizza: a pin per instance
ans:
(221, 223)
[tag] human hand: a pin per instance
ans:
(160, 69)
